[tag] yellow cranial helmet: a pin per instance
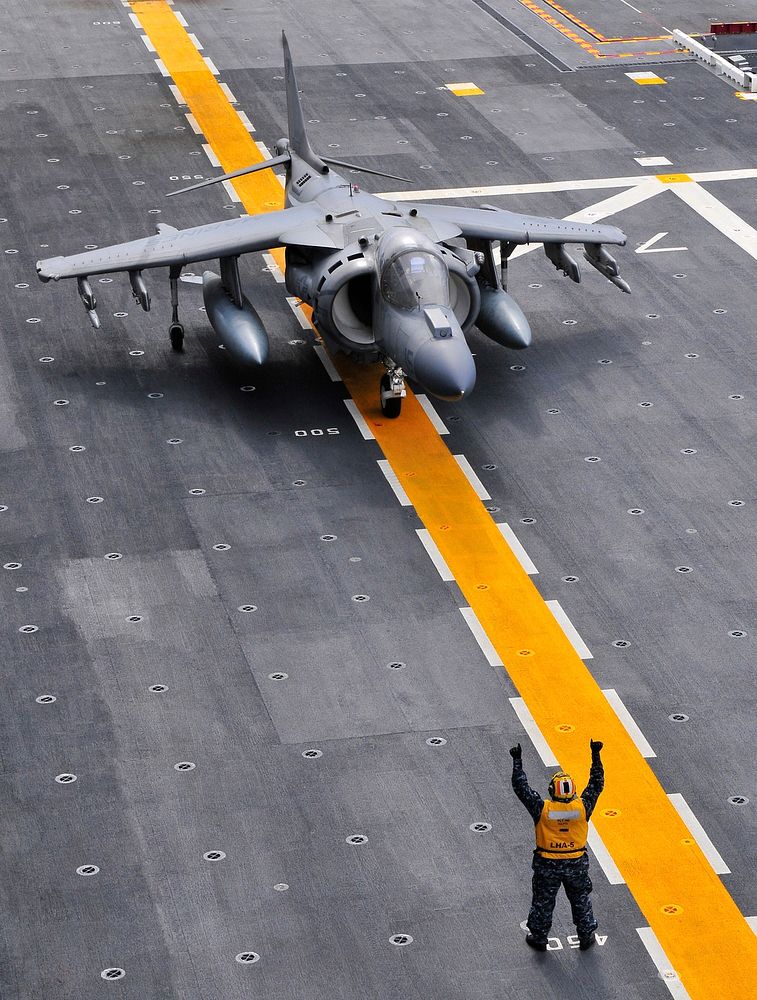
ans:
(562, 787)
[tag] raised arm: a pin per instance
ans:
(596, 783)
(530, 798)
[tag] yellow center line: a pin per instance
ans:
(705, 937)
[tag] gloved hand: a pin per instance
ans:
(515, 752)
(596, 746)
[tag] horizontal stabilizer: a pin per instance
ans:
(364, 170)
(276, 161)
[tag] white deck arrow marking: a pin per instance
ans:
(645, 247)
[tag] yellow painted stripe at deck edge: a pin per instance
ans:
(705, 937)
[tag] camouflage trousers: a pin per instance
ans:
(549, 875)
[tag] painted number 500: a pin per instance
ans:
(316, 432)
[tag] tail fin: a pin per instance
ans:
(298, 139)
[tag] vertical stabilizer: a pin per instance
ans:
(298, 139)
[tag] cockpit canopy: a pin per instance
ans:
(415, 278)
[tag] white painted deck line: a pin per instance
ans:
(430, 411)
(148, 44)
(296, 306)
(391, 477)
(434, 554)
(752, 921)
(264, 150)
(231, 191)
(274, 268)
(211, 66)
(326, 361)
(178, 96)
(162, 67)
(245, 120)
(193, 123)
(517, 549)
(629, 723)
(487, 191)
(195, 41)
(732, 226)
(229, 96)
(570, 630)
(698, 833)
(668, 975)
(135, 20)
(472, 478)
(481, 637)
(359, 419)
(652, 161)
(588, 184)
(535, 734)
(604, 858)
(181, 19)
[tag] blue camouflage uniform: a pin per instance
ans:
(551, 873)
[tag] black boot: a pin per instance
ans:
(587, 943)
(532, 942)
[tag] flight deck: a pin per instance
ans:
(264, 651)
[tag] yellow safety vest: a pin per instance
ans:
(562, 829)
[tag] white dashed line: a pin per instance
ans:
(245, 120)
(195, 41)
(231, 192)
(652, 161)
(327, 363)
(434, 554)
(296, 306)
(359, 419)
(193, 124)
(162, 67)
(629, 724)
(273, 267)
(698, 833)
(211, 66)
(752, 921)
(481, 637)
(181, 19)
(668, 975)
(391, 477)
(534, 733)
(148, 44)
(570, 630)
(177, 94)
(517, 549)
(229, 96)
(472, 478)
(604, 858)
(433, 416)
(212, 158)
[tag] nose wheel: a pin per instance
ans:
(391, 391)
(176, 333)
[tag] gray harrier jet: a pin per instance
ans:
(386, 282)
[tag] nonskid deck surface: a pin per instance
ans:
(207, 609)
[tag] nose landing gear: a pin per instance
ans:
(175, 330)
(391, 391)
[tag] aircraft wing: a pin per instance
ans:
(176, 247)
(512, 227)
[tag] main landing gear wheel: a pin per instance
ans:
(176, 333)
(391, 405)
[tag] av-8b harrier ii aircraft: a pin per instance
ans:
(385, 282)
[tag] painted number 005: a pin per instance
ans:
(316, 432)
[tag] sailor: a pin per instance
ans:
(561, 827)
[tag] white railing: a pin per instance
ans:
(747, 81)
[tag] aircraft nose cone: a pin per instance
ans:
(446, 368)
